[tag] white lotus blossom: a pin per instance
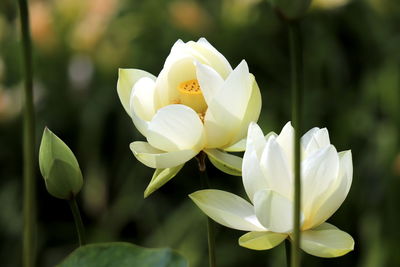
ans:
(197, 102)
(268, 172)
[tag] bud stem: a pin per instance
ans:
(29, 188)
(296, 59)
(201, 160)
(78, 221)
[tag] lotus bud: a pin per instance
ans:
(59, 167)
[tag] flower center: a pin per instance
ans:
(191, 87)
(190, 95)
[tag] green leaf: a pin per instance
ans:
(121, 254)
(225, 162)
(161, 177)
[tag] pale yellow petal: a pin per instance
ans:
(161, 177)
(176, 127)
(126, 80)
(143, 100)
(285, 140)
(156, 158)
(327, 204)
(210, 81)
(252, 112)
(261, 240)
(320, 139)
(227, 108)
(326, 241)
(276, 168)
(227, 209)
(239, 146)
(319, 171)
(213, 57)
(274, 211)
(225, 162)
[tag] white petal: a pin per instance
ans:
(285, 140)
(142, 101)
(214, 58)
(177, 46)
(176, 127)
(161, 177)
(255, 139)
(306, 138)
(252, 113)
(228, 107)
(319, 140)
(210, 81)
(261, 240)
(326, 241)
(126, 79)
(155, 158)
(330, 201)
(252, 175)
(274, 211)
(225, 162)
(140, 124)
(276, 168)
(319, 171)
(178, 50)
(227, 209)
(169, 79)
(239, 146)
(163, 91)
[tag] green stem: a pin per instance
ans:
(201, 160)
(29, 190)
(297, 88)
(78, 221)
(287, 250)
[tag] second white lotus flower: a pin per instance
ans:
(268, 180)
(197, 102)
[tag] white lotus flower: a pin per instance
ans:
(196, 103)
(268, 181)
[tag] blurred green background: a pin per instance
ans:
(352, 87)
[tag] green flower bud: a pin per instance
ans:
(291, 9)
(59, 167)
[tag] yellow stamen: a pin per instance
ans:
(190, 95)
(191, 87)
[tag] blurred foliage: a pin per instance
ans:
(122, 254)
(352, 78)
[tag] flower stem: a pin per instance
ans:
(297, 88)
(287, 250)
(78, 221)
(201, 160)
(29, 189)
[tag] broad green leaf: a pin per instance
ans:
(121, 254)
